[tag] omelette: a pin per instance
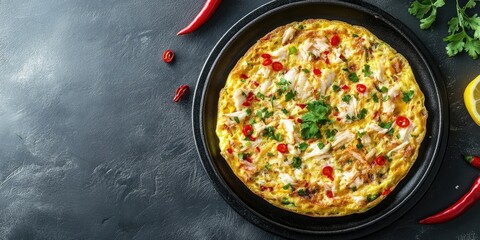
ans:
(321, 118)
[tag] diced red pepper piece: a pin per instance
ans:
(277, 66)
(335, 40)
(282, 147)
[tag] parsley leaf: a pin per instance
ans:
(353, 77)
(292, 50)
(375, 97)
(269, 132)
(320, 145)
(302, 146)
(362, 113)
(290, 95)
(366, 70)
(306, 71)
(236, 119)
(335, 88)
(330, 134)
(420, 8)
(346, 98)
(317, 114)
(296, 162)
(407, 96)
(385, 125)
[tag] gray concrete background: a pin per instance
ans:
(92, 146)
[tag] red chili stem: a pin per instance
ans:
(459, 207)
(202, 17)
(473, 160)
(180, 93)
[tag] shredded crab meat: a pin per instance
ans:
(376, 128)
(399, 147)
(371, 153)
(316, 152)
(326, 81)
(343, 138)
(289, 127)
(288, 35)
(357, 156)
(405, 133)
(265, 86)
(303, 87)
(378, 75)
(285, 178)
(290, 76)
(239, 99)
(239, 114)
(280, 54)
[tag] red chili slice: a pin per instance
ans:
(247, 130)
(329, 194)
(361, 88)
(402, 121)
(248, 159)
(252, 138)
(243, 76)
(250, 96)
(335, 40)
(230, 150)
(277, 66)
(328, 171)
(299, 120)
(267, 61)
(257, 149)
(386, 192)
(345, 87)
(317, 71)
(181, 92)
(256, 83)
(266, 55)
(168, 56)
(381, 160)
(302, 106)
(282, 147)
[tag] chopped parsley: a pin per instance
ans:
(236, 119)
(346, 98)
(320, 145)
(301, 192)
(301, 27)
(270, 154)
(372, 197)
(290, 95)
(252, 121)
(292, 50)
(375, 97)
(285, 201)
(354, 188)
(268, 166)
(287, 186)
(384, 89)
(296, 162)
(366, 70)
(335, 88)
(407, 96)
(362, 113)
(249, 111)
(386, 125)
(330, 134)
(317, 114)
(360, 134)
(302, 146)
(285, 111)
(353, 77)
(354, 35)
(261, 96)
(359, 145)
(264, 114)
(305, 71)
(269, 132)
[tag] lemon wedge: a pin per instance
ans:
(471, 96)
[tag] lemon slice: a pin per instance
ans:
(471, 97)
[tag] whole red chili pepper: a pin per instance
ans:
(180, 93)
(457, 208)
(203, 16)
(473, 160)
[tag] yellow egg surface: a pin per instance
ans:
(321, 118)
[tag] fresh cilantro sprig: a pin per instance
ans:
(317, 114)
(421, 8)
(458, 27)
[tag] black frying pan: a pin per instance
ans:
(239, 39)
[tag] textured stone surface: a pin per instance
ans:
(91, 145)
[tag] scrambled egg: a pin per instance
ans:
(321, 118)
